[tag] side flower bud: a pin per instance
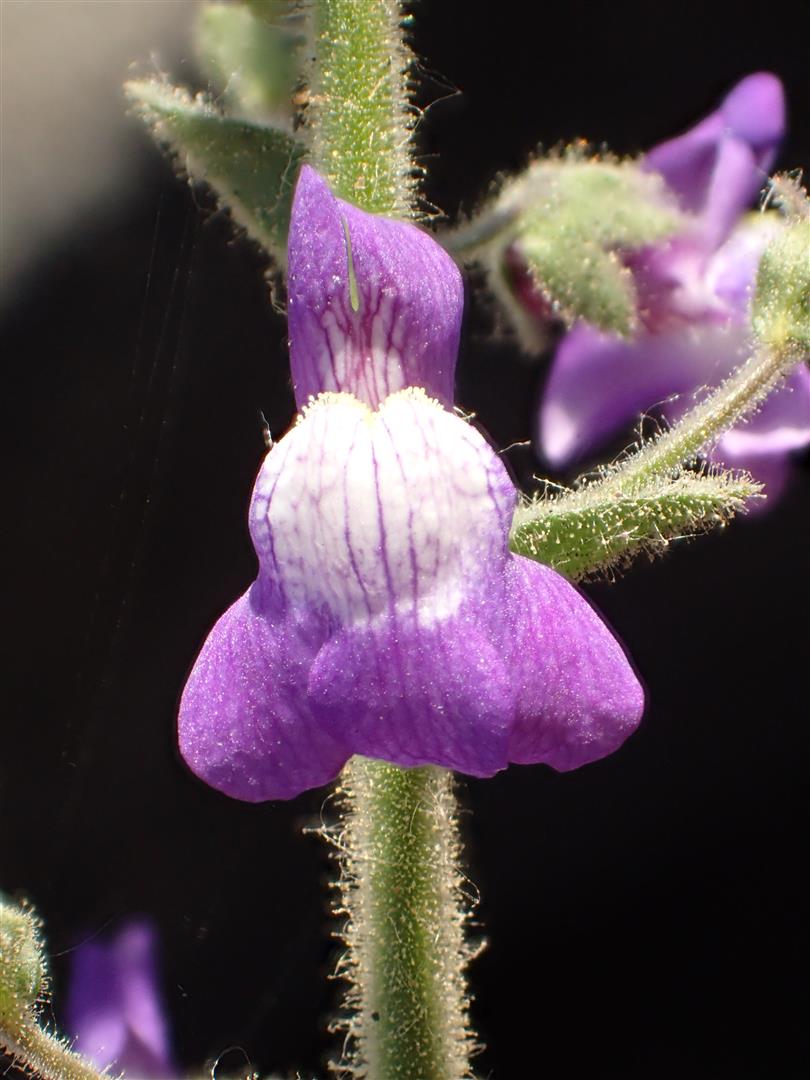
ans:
(22, 966)
(780, 314)
(550, 241)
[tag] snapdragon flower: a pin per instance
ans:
(389, 617)
(114, 1007)
(694, 294)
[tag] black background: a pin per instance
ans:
(647, 915)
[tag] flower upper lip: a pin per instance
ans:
(403, 329)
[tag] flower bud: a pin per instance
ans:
(22, 966)
(781, 308)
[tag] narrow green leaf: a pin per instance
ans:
(251, 166)
(566, 218)
(595, 528)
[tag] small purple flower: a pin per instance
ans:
(389, 617)
(694, 293)
(114, 1006)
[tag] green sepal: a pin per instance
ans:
(577, 215)
(579, 279)
(22, 965)
(251, 166)
(780, 313)
(250, 58)
(595, 528)
(619, 204)
(567, 216)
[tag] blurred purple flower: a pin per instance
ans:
(694, 294)
(389, 618)
(114, 1006)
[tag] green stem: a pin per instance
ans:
(398, 848)
(361, 118)
(400, 888)
(45, 1055)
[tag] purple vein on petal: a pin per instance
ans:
(374, 305)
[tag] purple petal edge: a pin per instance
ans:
(402, 328)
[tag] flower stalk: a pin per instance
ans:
(397, 843)
(400, 890)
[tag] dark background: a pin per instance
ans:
(646, 915)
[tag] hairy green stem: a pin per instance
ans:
(736, 398)
(45, 1055)
(361, 118)
(401, 893)
(400, 889)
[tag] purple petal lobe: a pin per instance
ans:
(734, 184)
(114, 1008)
(732, 270)
(245, 726)
(578, 697)
(374, 305)
(414, 509)
(781, 424)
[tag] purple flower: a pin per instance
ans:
(389, 617)
(694, 294)
(114, 1007)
